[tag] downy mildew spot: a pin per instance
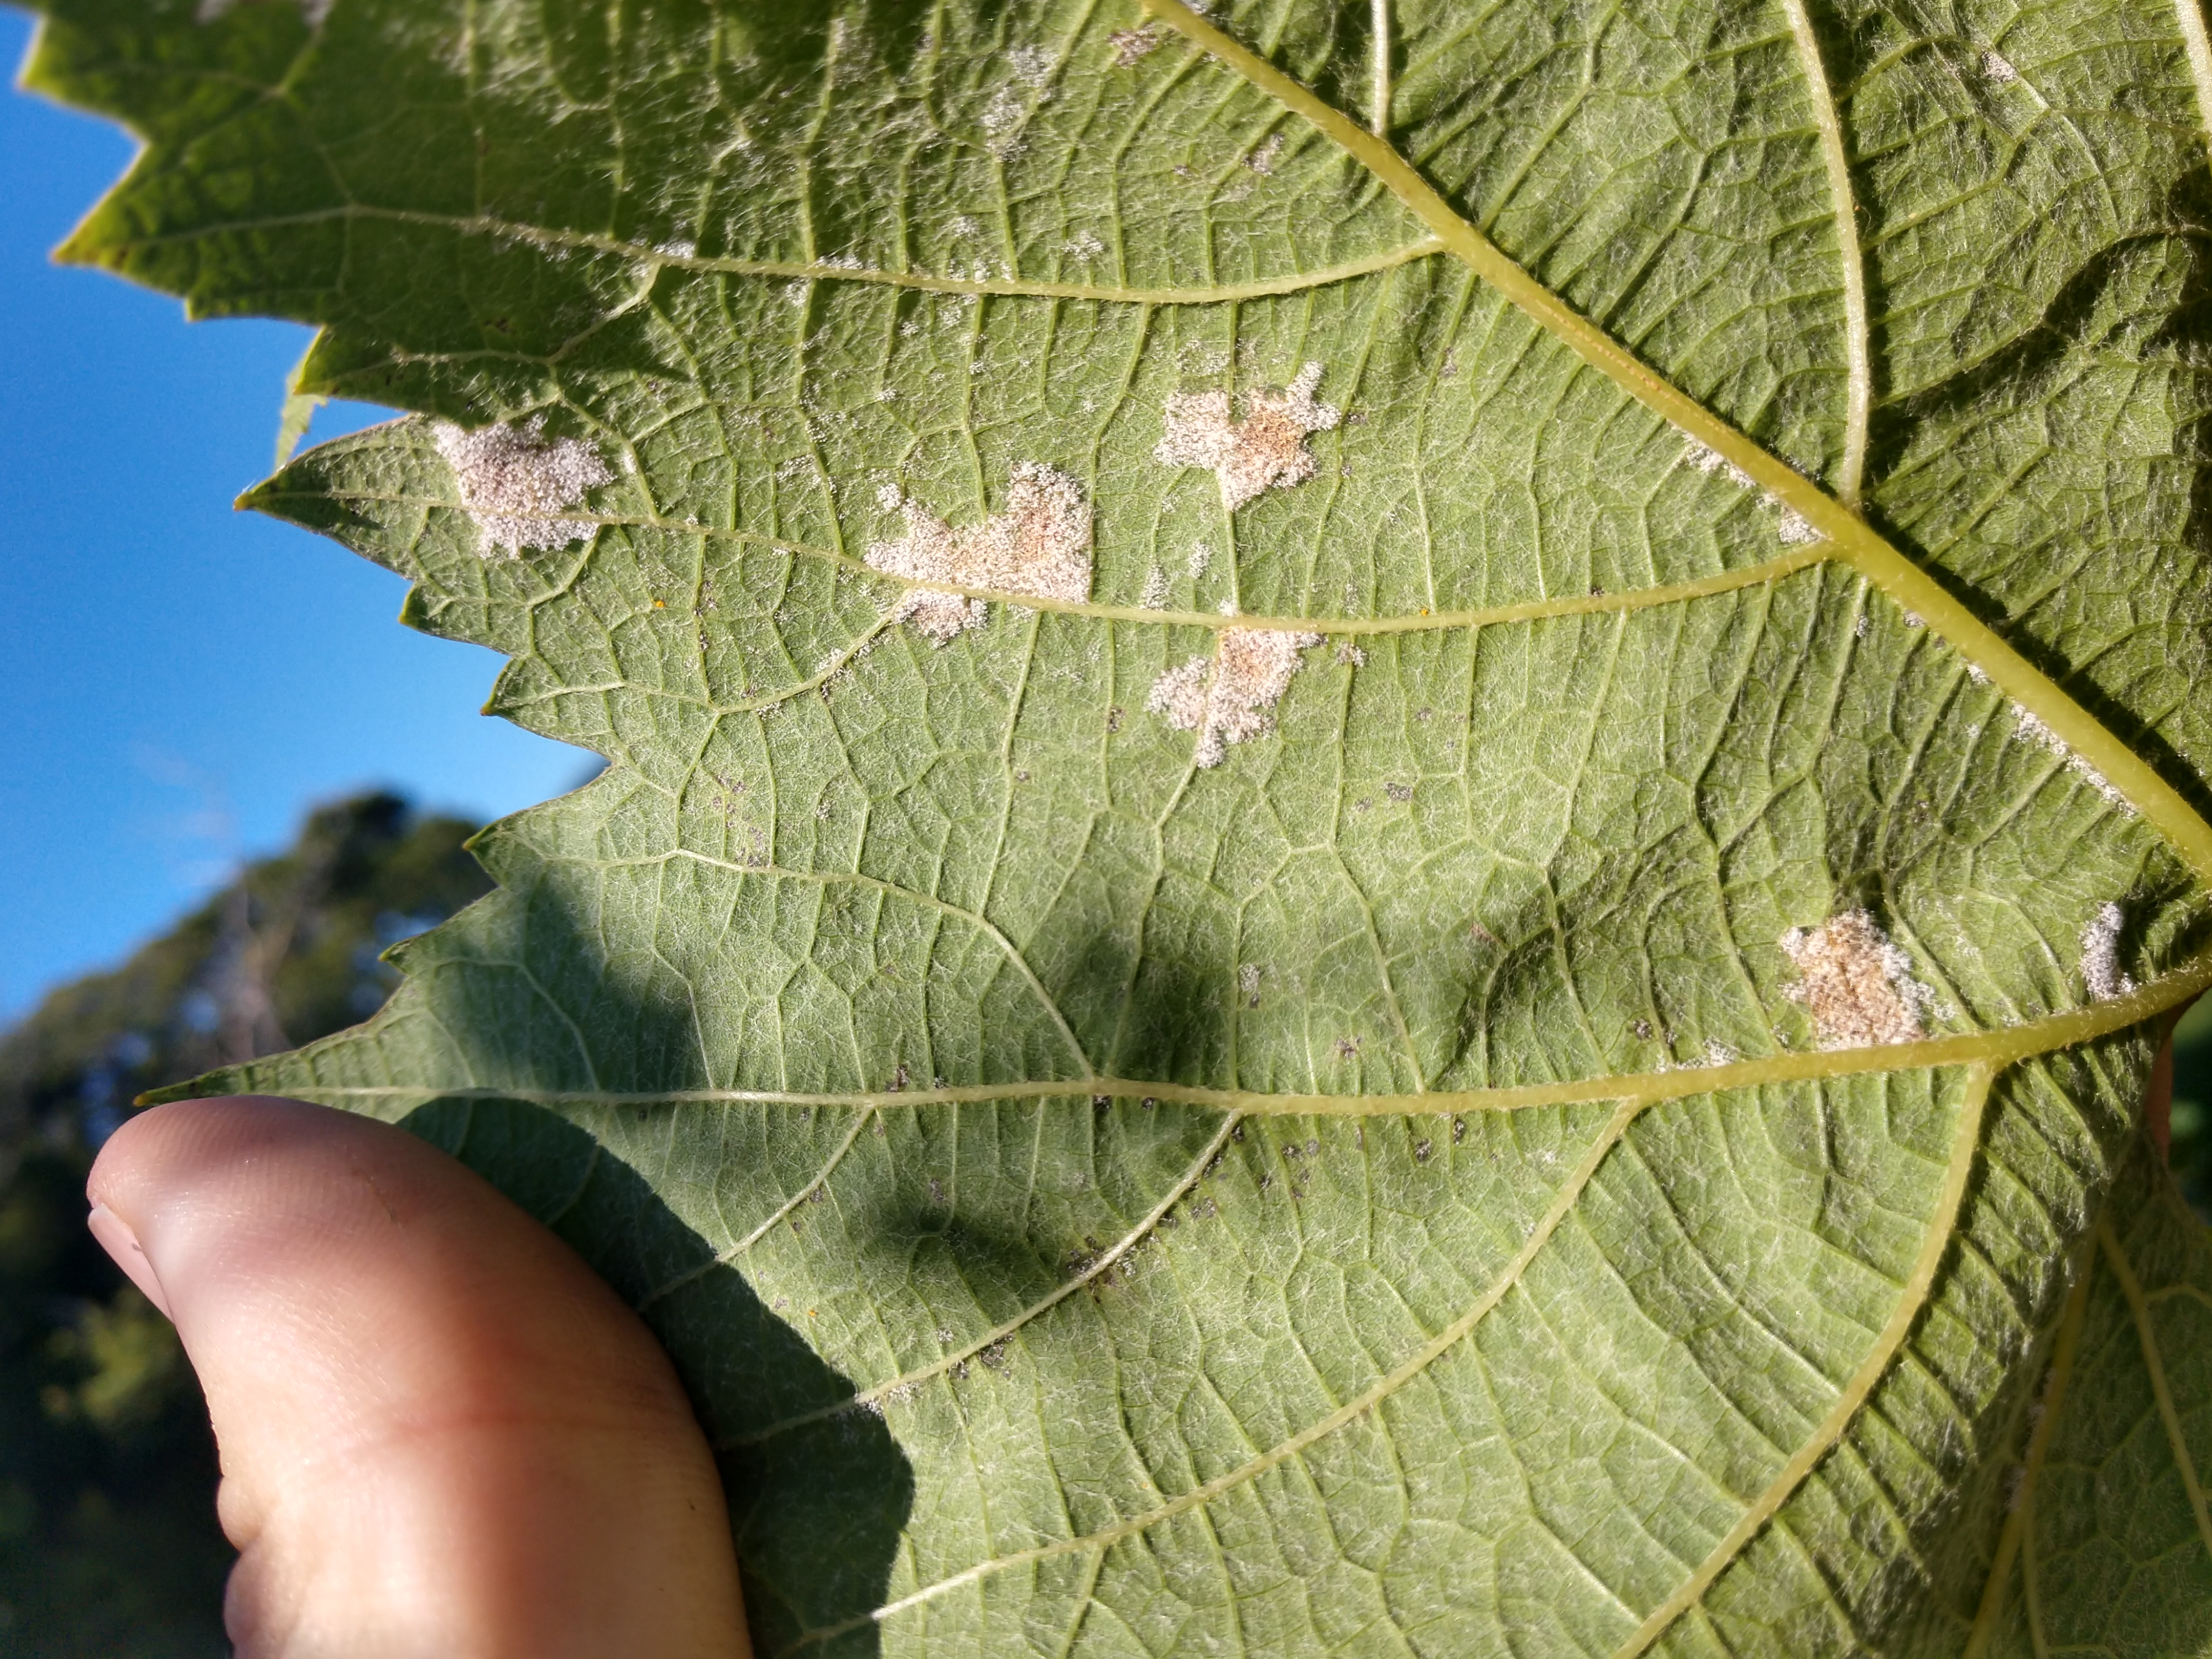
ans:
(2100, 954)
(1040, 544)
(513, 479)
(1858, 986)
(1266, 449)
(1230, 696)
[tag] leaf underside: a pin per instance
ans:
(1266, 1087)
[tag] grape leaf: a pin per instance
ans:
(1401, 798)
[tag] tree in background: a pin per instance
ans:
(108, 1542)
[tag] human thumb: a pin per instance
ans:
(441, 1434)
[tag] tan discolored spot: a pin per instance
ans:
(1230, 696)
(1858, 986)
(1265, 450)
(1041, 544)
(512, 480)
(1132, 43)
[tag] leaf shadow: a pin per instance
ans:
(817, 1511)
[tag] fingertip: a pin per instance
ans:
(115, 1236)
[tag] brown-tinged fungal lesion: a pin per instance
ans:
(1040, 544)
(1267, 449)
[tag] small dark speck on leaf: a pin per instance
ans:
(1422, 1150)
(1399, 792)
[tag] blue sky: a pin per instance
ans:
(178, 682)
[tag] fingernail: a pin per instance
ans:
(115, 1237)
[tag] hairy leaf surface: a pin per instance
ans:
(1400, 796)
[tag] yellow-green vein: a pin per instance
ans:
(1375, 1394)
(2022, 1517)
(670, 257)
(1101, 1264)
(2123, 1274)
(1998, 1048)
(1851, 536)
(1911, 1299)
(1858, 336)
(1574, 605)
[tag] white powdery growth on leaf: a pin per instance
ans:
(2029, 729)
(1796, 531)
(1231, 696)
(1858, 986)
(1710, 461)
(2100, 954)
(1040, 545)
(513, 480)
(1266, 449)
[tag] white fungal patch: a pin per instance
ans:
(1155, 596)
(512, 480)
(2028, 728)
(1995, 68)
(1032, 64)
(1266, 449)
(1083, 245)
(1263, 160)
(1201, 555)
(1796, 531)
(1858, 986)
(1130, 45)
(1710, 461)
(1041, 544)
(2100, 954)
(1231, 696)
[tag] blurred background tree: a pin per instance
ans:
(108, 1543)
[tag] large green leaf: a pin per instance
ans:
(1401, 795)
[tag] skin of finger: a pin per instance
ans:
(440, 1433)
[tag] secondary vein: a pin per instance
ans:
(1852, 538)
(1858, 351)
(1913, 1298)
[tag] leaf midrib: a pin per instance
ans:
(1854, 540)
